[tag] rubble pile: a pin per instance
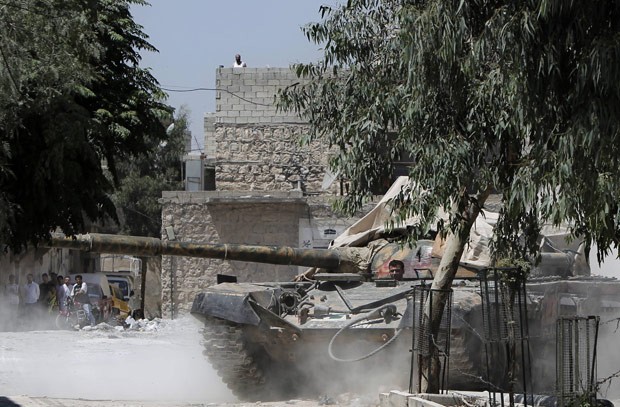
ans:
(130, 324)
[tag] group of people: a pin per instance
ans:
(53, 294)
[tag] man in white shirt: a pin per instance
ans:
(62, 291)
(238, 62)
(30, 292)
(80, 295)
(30, 296)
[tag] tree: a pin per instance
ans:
(142, 181)
(72, 95)
(520, 98)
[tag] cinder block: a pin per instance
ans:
(267, 94)
(414, 401)
(394, 399)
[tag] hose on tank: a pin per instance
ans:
(388, 314)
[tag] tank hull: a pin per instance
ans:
(307, 332)
(286, 333)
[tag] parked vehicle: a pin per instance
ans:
(124, 272)
(123, 282)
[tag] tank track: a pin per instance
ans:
(233, 360)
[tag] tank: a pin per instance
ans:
(352, 327)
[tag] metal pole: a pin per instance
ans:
(172, 268)
(143, 269)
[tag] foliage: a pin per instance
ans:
(522, 98)
(142, 181)
(353, 100)
(72, 95)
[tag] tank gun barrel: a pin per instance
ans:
(148, 246)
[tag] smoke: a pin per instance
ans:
(162, 365)
(389, 369)
(303, 369)
(608, 358)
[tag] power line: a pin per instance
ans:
(215, 89)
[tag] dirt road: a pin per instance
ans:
(102, 368)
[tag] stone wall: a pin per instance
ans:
(259, 157)
(213, 217)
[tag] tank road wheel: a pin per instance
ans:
(240, 365)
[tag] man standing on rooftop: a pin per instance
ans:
(238, 62)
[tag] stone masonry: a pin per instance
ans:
(267, 158)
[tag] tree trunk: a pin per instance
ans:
(430, 366)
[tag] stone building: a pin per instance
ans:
(269, 189)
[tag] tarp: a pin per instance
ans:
(477, 253)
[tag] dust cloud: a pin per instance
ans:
(165, 363)
(608, 358)
(312, 374)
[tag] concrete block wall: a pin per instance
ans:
(247, 95)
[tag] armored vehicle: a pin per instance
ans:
(349, 326)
